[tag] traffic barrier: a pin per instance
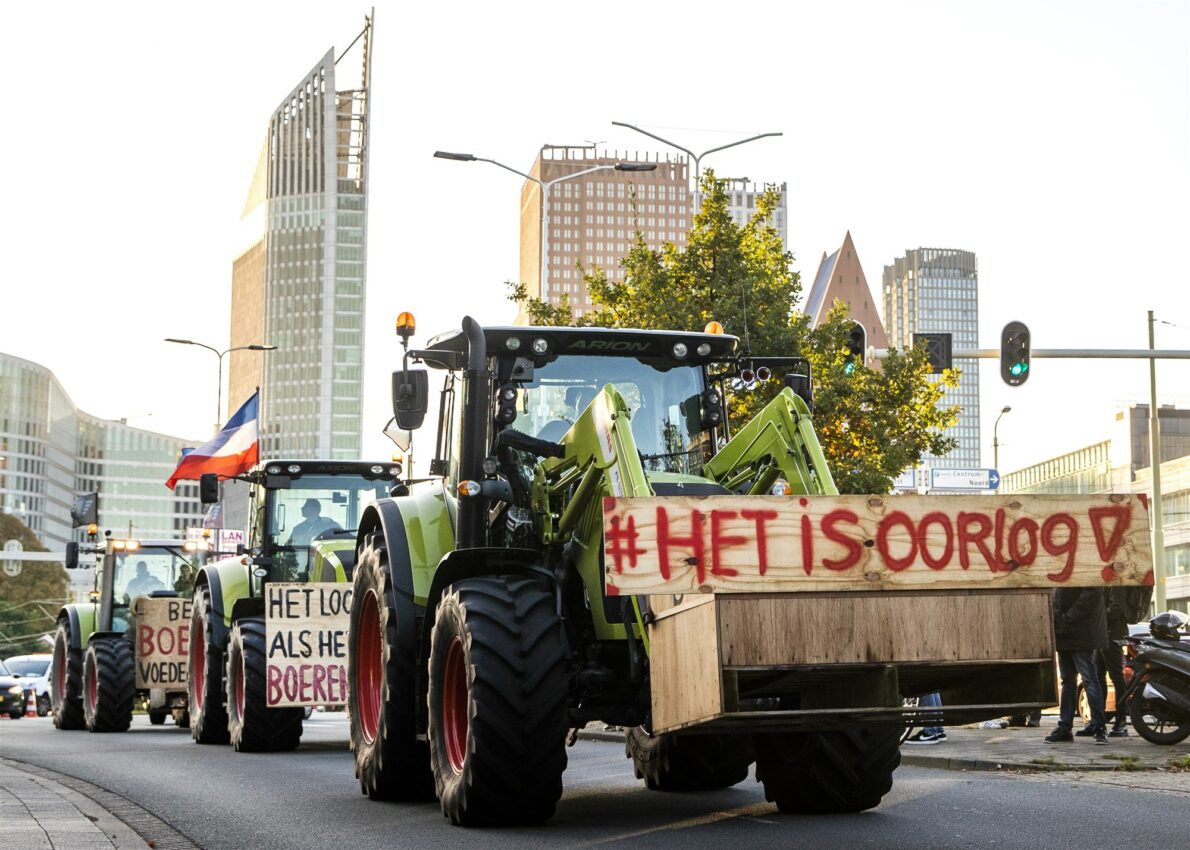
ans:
(31, 704)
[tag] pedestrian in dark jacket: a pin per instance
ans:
(1109, 659)
(1080, 628)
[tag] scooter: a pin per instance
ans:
(1158, 695)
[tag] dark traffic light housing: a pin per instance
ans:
(938, 349)
(1014, 354)
(853, 349)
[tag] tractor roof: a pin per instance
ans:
(615, 342)
(367, 468)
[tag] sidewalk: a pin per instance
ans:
(974, 748)
(43, 809)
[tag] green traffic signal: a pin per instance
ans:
(1014, 353)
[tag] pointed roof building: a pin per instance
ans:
(841, 277)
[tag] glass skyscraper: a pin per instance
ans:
(299, 281)
(50, 451)
(936, 290)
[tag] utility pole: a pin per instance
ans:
(1155, 465)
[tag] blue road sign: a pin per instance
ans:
(964, 479)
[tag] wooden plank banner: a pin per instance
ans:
(162, 642)
(306, 636)
(749, 544)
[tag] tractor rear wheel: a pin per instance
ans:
(181, 717)
(208, 717)
(252, 725)
(835, 772)
(109, 685)
(390, 762)
(66, 688)
(668, 762)
(497, 700)
(157, 717)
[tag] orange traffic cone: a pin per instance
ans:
(31, 705)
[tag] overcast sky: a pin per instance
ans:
(1049, 138)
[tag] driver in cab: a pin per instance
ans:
(313, 524)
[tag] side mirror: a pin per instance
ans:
(72, 555)
(411, 397)
(208, 488)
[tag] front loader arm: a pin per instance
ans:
(778, 441)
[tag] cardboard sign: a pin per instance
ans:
(162, 642)
(306, 633)
(747, 544)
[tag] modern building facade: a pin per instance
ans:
(50, 451)
(840, 277)
(742, 195)
(936, 290)
(1120, 464)
(592, 220)
(299, 280)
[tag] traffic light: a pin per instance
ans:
(1014, 354)
(854, 348)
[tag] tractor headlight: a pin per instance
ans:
(15, 689)
(469, 488)
(781, 488)
(703, 349)
(680, 350)
(293, 469)
(540, 345)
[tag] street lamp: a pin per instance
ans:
(696, 157)
(545, 186)
(996, 440)
(220, 355)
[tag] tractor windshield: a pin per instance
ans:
(663, 403)
(139, 572)
(316, 507)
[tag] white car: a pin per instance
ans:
(33, 672)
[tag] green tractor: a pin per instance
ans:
(484, 626)
(129, 640)
(302, 521)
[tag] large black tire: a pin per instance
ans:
(109, 685)
(157, 716)
(66, 684)
(43, 705)
(669, 762)
(181, 717)
(834, 772)
(208, 717)
(1155, 720)
(497, 700)
(253, 726)
(390, 762)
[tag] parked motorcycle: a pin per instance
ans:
(1158, 695)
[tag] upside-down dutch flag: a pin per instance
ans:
(235, 449)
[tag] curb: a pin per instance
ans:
(941, 762)
(122, 821)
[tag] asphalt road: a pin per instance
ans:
(309, 798)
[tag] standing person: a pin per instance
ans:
(1080, 628)
(930, 734)
(1109, 658)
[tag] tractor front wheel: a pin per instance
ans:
(497, 700)
(66, 687)
(390, 762)
(157, 717)
(835, 772)
(109, 685)
(668, 762)
(208, 717)
(252, 725)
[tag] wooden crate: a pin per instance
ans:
(845, 653)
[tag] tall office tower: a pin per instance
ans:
(840, 277)
(589, 219)
(741, 199)
(298, 283)
(936, 290)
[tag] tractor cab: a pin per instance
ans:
(303, 515)
(130, 568)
